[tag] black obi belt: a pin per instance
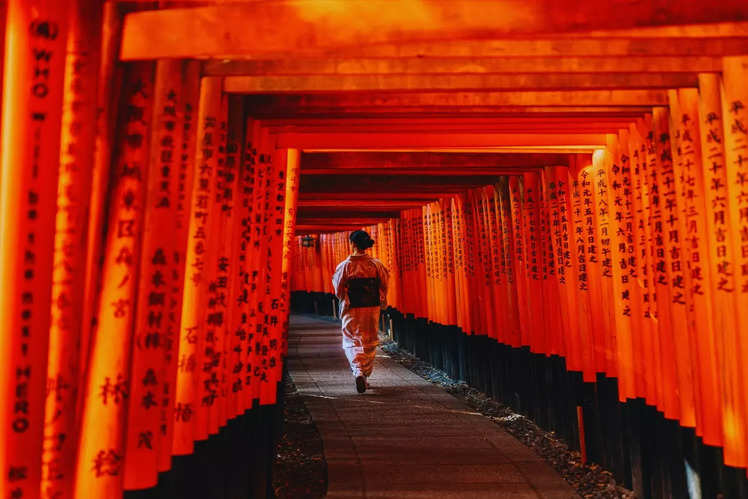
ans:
(363, 292)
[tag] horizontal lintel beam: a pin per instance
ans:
(417, 171)
(259, 29)
(374, 205)
(350, 141)
(359, 196)
(434, 160)
(457, 82)
(464, 65)
(404, 102)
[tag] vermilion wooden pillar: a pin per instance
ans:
(531, 226)
(73, 197)
(645, 349)
(618, 192)
(567, 337)
(678, 253)
(153, 331)
(107, 99)
(181, 193)
(101, 448)
(672, 277)
(580, 265)
(520, 257)
(256, 255)
(586, 254)
(293, 165)
(719, 247)
(670, 401)
(34, 62)
(235, 322)
(735, 120)
(273, 331)
(218, 265)
(512, 307)
(699, 278)
(191, 333)
(599, 178)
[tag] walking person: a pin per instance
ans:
(360, 283)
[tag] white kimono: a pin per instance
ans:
(360, 283)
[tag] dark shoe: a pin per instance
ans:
(360, 384)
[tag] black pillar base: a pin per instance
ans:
(654, 456)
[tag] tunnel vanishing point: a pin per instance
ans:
(555, 185)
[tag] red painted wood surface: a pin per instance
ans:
(148, 215)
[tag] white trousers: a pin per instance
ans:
(360, 338)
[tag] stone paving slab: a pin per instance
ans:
(406, 437)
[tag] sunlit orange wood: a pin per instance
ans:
(568, 44)
(250, 29)
(272, 261)
(647, 354)
(256, 254)
(679, 253)
(699, 278)
(236, 333)
(101, 450)
(515, 82)
(619, 233)
(191, 333)
(181, 193)
(670, 260)
(473, 263)
(34, 63)
(428, 140)
(421, 309)
(217, 265)
(513, 335)
(531, 227)
(289, 222)
(587, 261)
(468, 64)
(395, 287)
(428, 259)
(735, 120)
(520, 259)
(461, 280)
(599, 174)
(562, 205)
(550, 316)
(498, 269)
(107, 99)
(73, 197)
(232, 204)
(719, 246)
(483, 291)
(152, 330)
(657, 151)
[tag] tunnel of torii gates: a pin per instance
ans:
(566, 177)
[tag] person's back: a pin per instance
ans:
(360, 283)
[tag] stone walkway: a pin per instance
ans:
(406, 437)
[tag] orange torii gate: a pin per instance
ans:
(148, 208)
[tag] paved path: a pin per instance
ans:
(406, 437)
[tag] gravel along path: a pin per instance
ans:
(299, 469)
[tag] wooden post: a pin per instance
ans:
(152, 330)
(73, 197)
(735, 120)
(34, 64)
(191, 333)
(182, 195)
(106, 391)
